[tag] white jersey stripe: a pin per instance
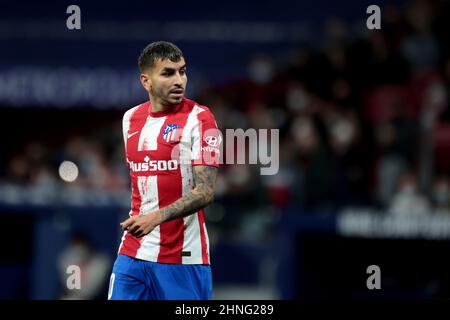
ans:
(195, 132)
(150, 132)
(126, 123)
(207, 239)
(148, 189)
(192, 241)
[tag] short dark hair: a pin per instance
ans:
(158, 50)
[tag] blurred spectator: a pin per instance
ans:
(441, 195)
(420, 48)
(18, 170)
(408, 202)
(391, 165)
(94, 270)
(261, 69)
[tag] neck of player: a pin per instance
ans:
(158, 105)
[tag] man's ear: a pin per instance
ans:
(146, 81)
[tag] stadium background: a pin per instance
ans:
(364, 123)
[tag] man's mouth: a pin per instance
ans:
(177, 91)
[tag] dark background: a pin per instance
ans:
(364, 124)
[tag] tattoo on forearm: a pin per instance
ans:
(198, 198)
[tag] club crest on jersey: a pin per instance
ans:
(170, 132)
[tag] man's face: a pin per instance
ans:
(166, 81)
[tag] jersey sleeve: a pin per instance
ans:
(125, 126)
(206, 140)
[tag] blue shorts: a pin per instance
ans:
(134, 279)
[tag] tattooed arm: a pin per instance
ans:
(198, 198)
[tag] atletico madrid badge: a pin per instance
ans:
(171, 132)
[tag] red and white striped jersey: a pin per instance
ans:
(161, 149)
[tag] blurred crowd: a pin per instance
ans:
(364, 120)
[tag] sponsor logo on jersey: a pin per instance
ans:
(132, 134)
(213, 141)
(153, 165)
(211, 149)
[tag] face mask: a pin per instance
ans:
(409, 189)
(80, 251)
(441, 195)
(297, 99)
(261, 71)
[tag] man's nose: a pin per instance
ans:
(178, 79)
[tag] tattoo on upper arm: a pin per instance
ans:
(199, 197)
(205, 178)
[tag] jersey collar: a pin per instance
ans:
(166, 112)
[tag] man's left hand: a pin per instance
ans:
(142, 225)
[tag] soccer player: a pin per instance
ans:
(172, 149)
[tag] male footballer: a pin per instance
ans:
(172, 150)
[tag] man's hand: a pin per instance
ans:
(140, 226)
